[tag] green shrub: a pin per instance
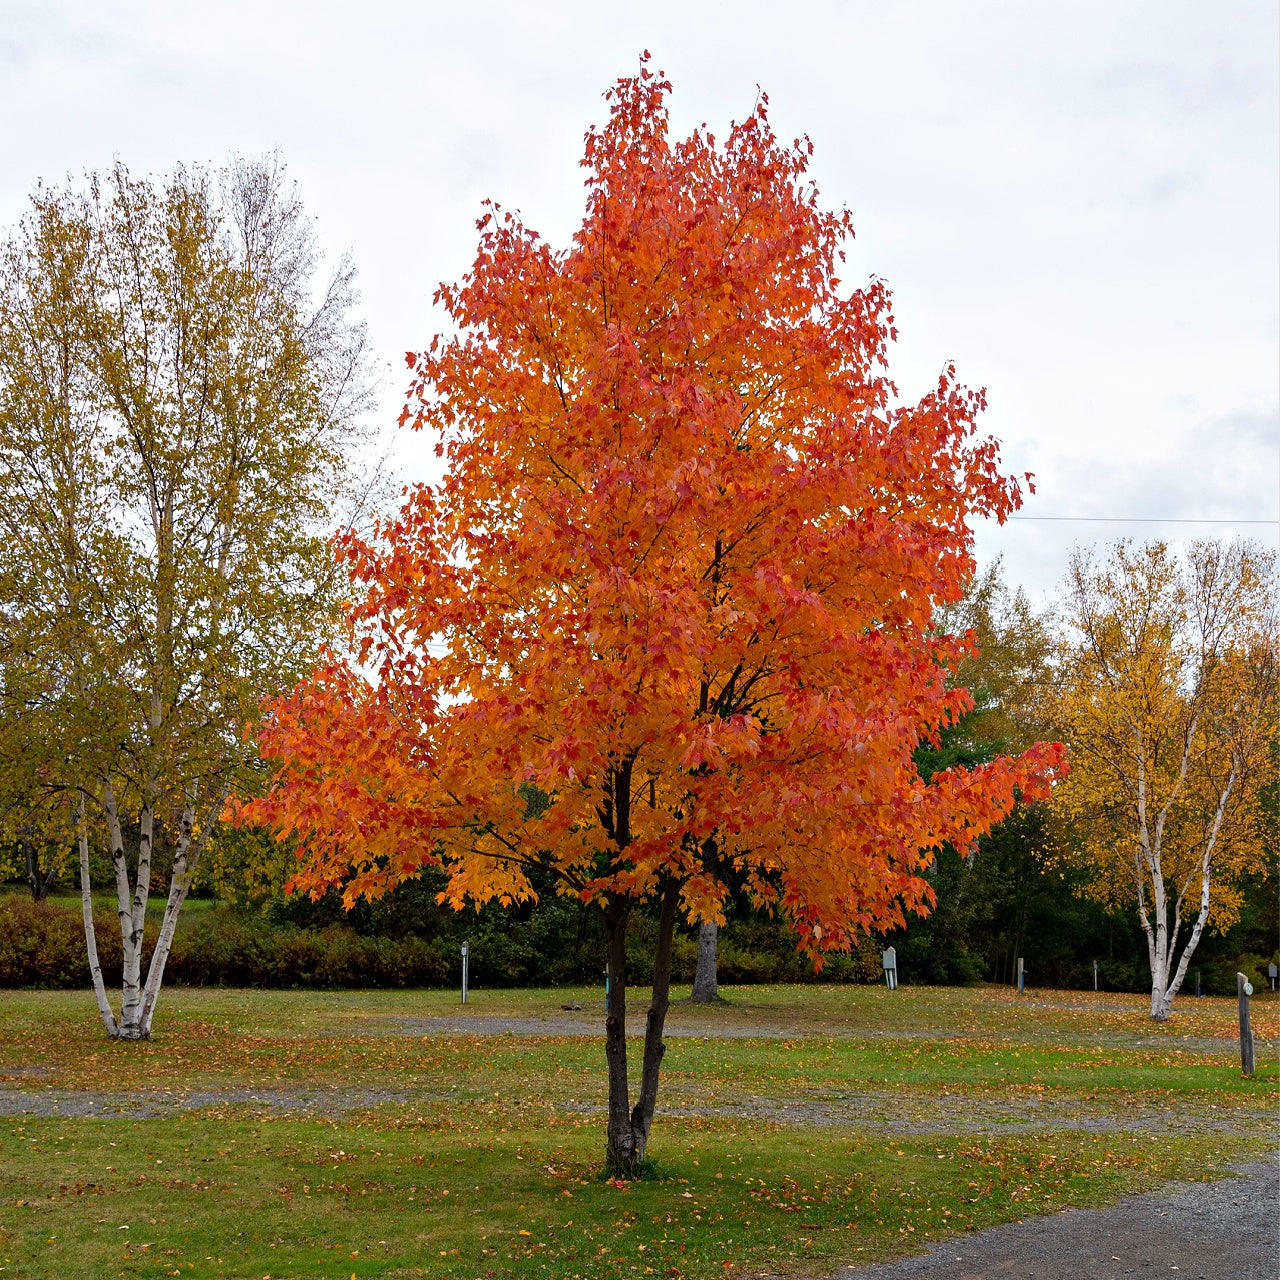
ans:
(42, 945)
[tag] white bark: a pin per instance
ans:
(1162, 943)
(1172, 988)
(131, 906)
(186, 859)
(90, 937)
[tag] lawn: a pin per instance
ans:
(800, 1129)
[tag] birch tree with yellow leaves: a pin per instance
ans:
(1168, 701)
(180, 408)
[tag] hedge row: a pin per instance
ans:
(42, 945)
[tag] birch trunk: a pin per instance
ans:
(130, 938)
(185, 862)
(90, 936)
(1164, 990)
(1158, 943)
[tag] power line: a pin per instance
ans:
(1143, 520)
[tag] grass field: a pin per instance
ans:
(800, 1129)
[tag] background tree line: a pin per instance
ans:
(1019, 896)
(181, 398)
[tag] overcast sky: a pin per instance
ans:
(1076, 202)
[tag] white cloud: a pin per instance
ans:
(1076, 203)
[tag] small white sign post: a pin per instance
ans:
(465, 948)
(890, 962)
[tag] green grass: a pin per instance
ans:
(470, 1155)
(105, 900)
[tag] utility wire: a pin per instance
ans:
(1143, 520)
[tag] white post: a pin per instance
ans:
(1022, 977)
(1095, 975)
(465, 945)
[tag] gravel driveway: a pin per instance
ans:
(687, 1021)
(1225, 1230)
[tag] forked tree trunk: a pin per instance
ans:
(1162, 939)
(131, 908)
(138, 1001)
(186, 859)
(705, 989)
(90, 937)
(627, 1135)
(1162, 942)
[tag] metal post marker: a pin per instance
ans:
(1022, 977)
(1244, 989)
(606, 991)
(890, 962)
(465, 948)
(1197, 984)
(1095, 975)
(1273, 973)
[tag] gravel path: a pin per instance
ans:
(890, 1113)
(684, 1022)
(148, 1104)
(910, 1113)
(1225, 1230)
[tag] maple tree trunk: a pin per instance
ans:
(654, 1046)
(619, 1142)
(628, 1132)
(705, 989)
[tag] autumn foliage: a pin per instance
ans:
(668, 619)
(1168, 693)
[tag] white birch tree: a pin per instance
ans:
(177, 418)
(1169, 709)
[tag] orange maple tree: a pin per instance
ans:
(670, 610)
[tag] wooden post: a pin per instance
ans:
(1244, 989)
